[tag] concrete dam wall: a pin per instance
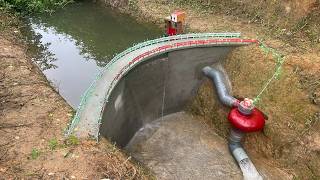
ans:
(161, 86)
(149, 82)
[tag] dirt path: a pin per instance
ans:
(32, 122)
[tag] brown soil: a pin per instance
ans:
(291, 136)
(32, 122)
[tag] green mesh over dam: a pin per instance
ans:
(148, 81)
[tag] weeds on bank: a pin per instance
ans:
(304, 30)
(35, 153)
(132, 4)
(68, 142)
(72, 140)
(33, 6)
(54, 144)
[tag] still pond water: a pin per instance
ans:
(78, 41)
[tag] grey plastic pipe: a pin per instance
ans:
(248, 169)
(219, 82)
(235, 146)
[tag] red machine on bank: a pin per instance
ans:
(175, 23)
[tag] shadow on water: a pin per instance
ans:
(73, 44)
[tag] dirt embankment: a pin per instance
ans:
(32, 122)
(290, 21)
(291, 136)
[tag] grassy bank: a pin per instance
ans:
(288, 21)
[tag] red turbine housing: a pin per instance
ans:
(247, 123)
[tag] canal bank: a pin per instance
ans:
(33, 119)
(292, 103)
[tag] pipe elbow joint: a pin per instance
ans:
(218, 80)
(206, 70)
(228, 100)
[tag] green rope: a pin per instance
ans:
(278, 69)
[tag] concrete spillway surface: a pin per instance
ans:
(181, 147)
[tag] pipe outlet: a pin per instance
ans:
(248, 169)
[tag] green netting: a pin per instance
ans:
(278, 68)
(89, 91)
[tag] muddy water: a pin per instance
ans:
(77, 41)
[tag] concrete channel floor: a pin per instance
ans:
(178, 146)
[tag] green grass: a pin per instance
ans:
(53, 144)
(35, 153)
(72, 141)
(32, 6)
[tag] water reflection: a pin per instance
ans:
(42, 56)
(78, 41)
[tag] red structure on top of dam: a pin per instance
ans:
(175, 23)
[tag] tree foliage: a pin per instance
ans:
(32, 6)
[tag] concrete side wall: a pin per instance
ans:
(160, 86)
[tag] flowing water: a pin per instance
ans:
(79, 40)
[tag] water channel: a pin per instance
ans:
(79, 40)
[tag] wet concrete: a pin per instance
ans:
(180, 146)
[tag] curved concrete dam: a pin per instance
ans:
(136, 102)
(148, 81)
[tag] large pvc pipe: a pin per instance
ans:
(235, 146)
(248, 169)
(219, 82)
